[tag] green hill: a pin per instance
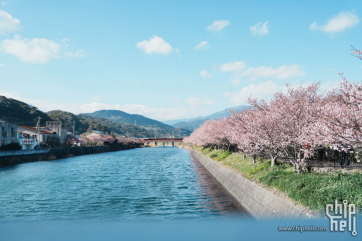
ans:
(122, 129)
(138, 131)
(21, 113)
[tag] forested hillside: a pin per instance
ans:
(20, 113)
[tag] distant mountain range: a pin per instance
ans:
(137, 121)
(108, 121)
(123, 117)
(21, 113)
(192, 124)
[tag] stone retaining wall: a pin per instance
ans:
(256, 200)
(59, 153)
(23, 152)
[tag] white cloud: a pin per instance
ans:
(3, 3)
(208, 100)
(77, 54)
(136, 82)
(226, 94)
(193, 101)
(64, 40)
(7, 22)
(329, 85)
(1, 65)
(234, 67)
(175, 100)
(96, 98)
(263, 90)
(178, 51)
(283, 72)
(218, 25)
(204, 45)
(37, 51)
(339, 23)
(235, 81)
(330, 69)
(150, 112)
(260, 29)
(155, 45)
(205, 74)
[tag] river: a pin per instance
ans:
(163, 183)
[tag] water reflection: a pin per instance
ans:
(148, 183)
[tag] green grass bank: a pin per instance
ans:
(310, 189)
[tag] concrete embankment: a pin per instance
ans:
(255, 199)
(16, 157)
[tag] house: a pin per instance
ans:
(42, 136)
(52, 134)
(8, 133)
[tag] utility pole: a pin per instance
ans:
(38, 128)
(73, 128)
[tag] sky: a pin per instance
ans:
(172, 59)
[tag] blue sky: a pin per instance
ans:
(171, 59)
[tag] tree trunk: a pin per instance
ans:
(253, 157)
(243, 156)
(297, 166)
(273, 159)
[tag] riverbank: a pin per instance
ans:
(59, 153)
(309, 192)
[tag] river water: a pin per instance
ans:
(163, 183)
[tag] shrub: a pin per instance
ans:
(10, 147)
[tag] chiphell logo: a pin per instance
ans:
(344, 216)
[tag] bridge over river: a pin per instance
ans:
(163, 140)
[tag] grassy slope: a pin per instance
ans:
(313, 190)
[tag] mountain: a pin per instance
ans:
(172, 122)
(21, 113)
(123, 117)
(81, 124)
(128, 129)
(192, 124)
(84, 123)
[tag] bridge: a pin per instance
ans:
(163, 140)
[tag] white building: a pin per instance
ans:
(27, 143)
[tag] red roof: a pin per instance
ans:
(35, 130)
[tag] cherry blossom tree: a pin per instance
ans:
(292, 124)
(73, 139)
(357, 53)
(96, 138)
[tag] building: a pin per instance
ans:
(26, 142)
(52, 135)
(56, 126)
(42, 136)
(8, 133)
